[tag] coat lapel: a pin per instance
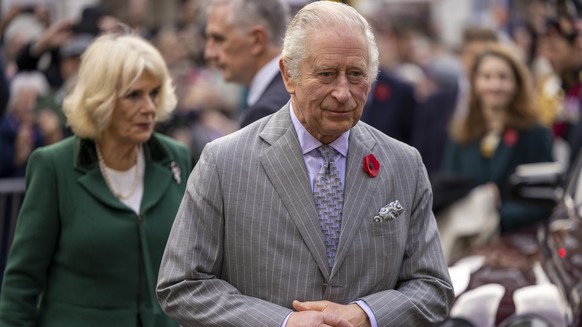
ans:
(358, 191)
(156, 183)
(284, 165)
(92, 180)
(95, 185)
(157, 175)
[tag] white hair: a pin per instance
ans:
(25, 26)
(316, 16)
(273, 14)
(27, 81)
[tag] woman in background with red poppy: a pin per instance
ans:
(499, 132)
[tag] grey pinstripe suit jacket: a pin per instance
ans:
(246, 241)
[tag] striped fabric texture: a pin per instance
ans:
(247, 241)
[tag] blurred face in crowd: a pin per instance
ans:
(24, 104)
(228, 48)
(69, 66)
(560, 53)
(132, 121)
(333, 84)
(494, 82)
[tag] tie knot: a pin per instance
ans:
(327, 152)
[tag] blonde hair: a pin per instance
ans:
(109, 67)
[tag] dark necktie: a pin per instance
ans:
(329, 199)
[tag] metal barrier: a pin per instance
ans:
(11, 195)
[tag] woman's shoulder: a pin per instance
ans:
(537, 130)
(60, 148)
(174, 147)
(59, 154)
(169, 142)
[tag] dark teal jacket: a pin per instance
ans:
(80, 257)
(529, 146)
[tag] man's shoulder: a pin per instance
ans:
(276, 86)
(395, 81)
(392, 152)
(265, 130)
(168, 141)
(273, 98)
(241, 137)
(275, 95)
(382, 140)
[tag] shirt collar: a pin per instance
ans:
(262, 79)
(309, 143)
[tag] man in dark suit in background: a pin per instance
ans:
(390, 107)
(392, 100)
(244, 41)
(4, 89)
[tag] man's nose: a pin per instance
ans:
(342, 89)
(209, 51)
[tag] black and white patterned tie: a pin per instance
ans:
(329, 199)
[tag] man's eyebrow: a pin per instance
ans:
(324, 66)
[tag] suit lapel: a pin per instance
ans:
(284, 165)
(358, 191)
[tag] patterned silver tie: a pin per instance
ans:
(329, 199)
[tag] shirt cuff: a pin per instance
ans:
(368, 311)
(362, 305)
(285, 321)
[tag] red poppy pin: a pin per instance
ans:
(382, 92)
(510, 137)
(371, 165)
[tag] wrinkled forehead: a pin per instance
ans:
(332, 42)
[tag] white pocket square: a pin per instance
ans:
(390, 211)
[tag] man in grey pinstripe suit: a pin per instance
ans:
(246, 248)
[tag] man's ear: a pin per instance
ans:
(289, 83)
(259, 39)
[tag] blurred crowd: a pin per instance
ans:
(40, 57)
(428, 82)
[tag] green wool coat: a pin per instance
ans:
(80, 257)
(516, 147)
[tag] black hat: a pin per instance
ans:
(89, 21)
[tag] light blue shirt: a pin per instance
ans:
(313, 162)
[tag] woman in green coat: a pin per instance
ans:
(99, 205)
(499, 132)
